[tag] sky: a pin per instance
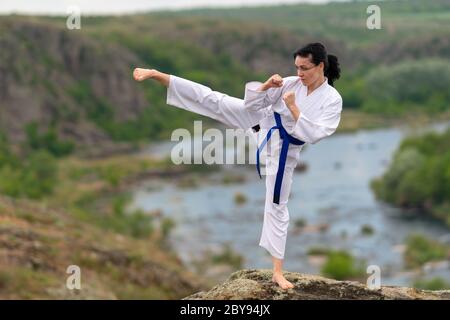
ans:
(60, 7)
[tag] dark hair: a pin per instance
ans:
(319, 54)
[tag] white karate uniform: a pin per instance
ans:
(319, 117)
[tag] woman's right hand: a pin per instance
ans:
(275, 81)
(140, 74)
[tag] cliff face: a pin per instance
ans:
(257, 284)
(43, 72)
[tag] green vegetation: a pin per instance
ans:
(25, 283)
(47, 141)
(136, 224)
(186, 60)
(344, 22)
(85, 220)
(405, 87)
(318, 251)
(240, 198)
(419, 176)
(385, 71)
(436, 283)
(33, 176)
(420, 250)
(229, 178)
(167, 225)
(228, 256)
(341, 265)
(43, 242)
(367, 230)
(90, 189)
(300, 223)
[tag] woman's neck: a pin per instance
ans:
(313, 86)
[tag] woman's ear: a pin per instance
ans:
(322, 65)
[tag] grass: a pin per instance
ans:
(24, 283)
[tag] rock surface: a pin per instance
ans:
(257, 284)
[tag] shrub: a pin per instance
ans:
(341, 265)
(420, 250)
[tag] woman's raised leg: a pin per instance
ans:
(200, 99)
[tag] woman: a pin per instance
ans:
(300, 109)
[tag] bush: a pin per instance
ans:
(10, 181)
(35, 177)
(300, 223)
(228, 256)
(318, 251)
(240, 198)
(367, 229)
(167, 224)
(136, 223)
(5, 153)
(48, 141)
(431, 284)
(420, 250)
(419, 175)
(39, 175)
(341, 265)
(111, 174)
(397, 88)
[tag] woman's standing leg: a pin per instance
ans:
(276, 216)
(275, 225)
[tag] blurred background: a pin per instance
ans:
(85, 172)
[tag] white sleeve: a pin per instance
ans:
(256, 100)
(311, 131)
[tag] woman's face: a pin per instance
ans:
(308, 71)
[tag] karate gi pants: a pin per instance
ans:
(195, 97)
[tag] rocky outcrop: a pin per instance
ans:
(257, 284)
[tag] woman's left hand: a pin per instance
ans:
(289, 99)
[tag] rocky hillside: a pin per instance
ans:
(257, 284)
(54, 77)
(38, 244)
(259, 47)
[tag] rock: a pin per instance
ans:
(255, 284)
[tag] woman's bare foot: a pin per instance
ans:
(281, 280)
(141, 74)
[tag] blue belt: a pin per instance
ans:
(287, 139)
